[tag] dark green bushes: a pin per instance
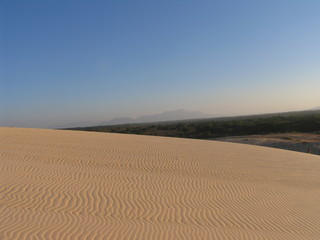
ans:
(212, 128)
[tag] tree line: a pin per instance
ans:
(213, 128)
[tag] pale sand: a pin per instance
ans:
(79, 185)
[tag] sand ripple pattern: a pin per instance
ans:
(79, 185)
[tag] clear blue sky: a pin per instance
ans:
(66, 61)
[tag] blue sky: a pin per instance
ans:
(66, 61)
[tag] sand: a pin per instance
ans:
(58, 184)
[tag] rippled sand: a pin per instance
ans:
(80, 185)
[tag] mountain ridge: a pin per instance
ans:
(174, 115)
(315, 108)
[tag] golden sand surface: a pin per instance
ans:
(57, 184)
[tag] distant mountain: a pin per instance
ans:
(176, 115)
(316, 108)
(172, 116)
(115, 121)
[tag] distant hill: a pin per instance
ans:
(172, 116)
(175, 115)
(208, 128)
(115, 121)
(178, 115)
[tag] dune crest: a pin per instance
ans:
(58, 184)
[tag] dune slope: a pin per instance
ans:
(80, 185)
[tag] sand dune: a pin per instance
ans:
(79, 185)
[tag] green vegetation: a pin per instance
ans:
(307, 121)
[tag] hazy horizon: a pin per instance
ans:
(75, 61)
